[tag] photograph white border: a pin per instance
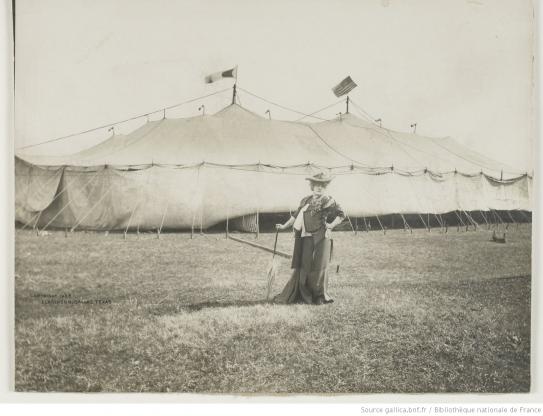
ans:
(343, 404)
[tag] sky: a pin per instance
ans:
(459, 68)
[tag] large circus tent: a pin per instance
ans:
(178, 173)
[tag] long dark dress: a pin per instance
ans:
(311, 256)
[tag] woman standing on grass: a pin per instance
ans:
(312, 245)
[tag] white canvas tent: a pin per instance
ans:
(175, 173)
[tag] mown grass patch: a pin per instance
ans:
(421, 312)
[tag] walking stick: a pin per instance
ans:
(274, 267)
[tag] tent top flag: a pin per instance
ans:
(217, 76)
(344, 87)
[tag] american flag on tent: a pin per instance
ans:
(344, 87)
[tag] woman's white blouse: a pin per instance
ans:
(299, 222)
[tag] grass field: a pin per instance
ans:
(421, 312)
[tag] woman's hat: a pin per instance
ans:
(320, 177)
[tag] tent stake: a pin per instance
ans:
(472, 220)
(439, 222)
(192, 227)
(524, 216)
(383, 228)
(163, 217)
(512, 219)
(406, 224)
(499, 218)
(460, 219)
(484, 219)
(425, 226)
(34, 217)
(227, 213)
(202, 221)
(356, 225)
(257, 224)
(352, 228)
